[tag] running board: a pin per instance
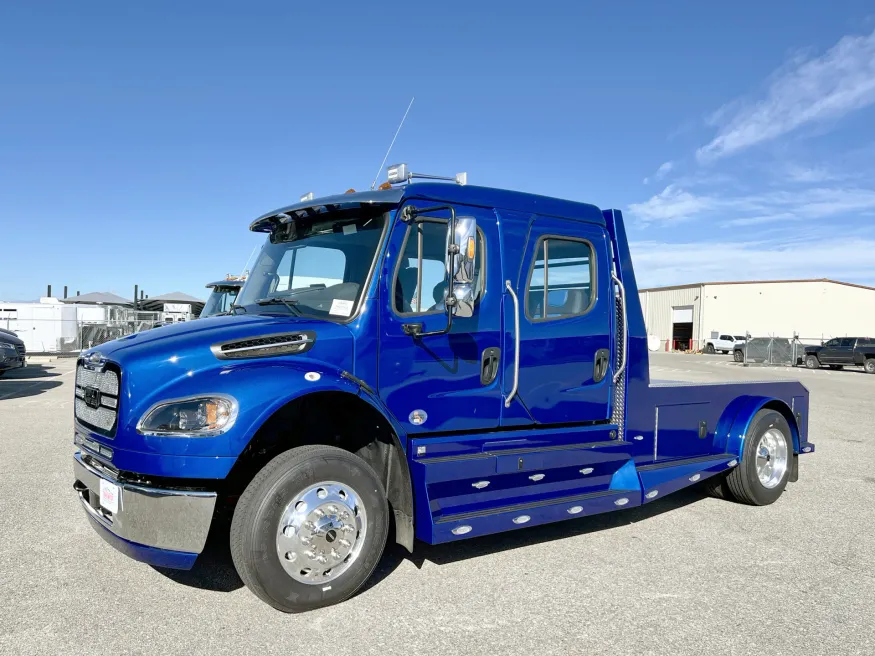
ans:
(662, 478)
(505, 518)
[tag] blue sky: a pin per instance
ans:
(138, 140)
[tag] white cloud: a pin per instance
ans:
(805, 91)
(658, 263)
(671, 205)
(664, 169)
(675, 205)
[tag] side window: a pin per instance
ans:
(832, 343)
(848, 341)
(407, 296)
(726, 338)
(560, 283)
(310, 266)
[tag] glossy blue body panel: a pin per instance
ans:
(145, 554)
(559, 449)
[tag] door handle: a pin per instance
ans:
(489, 365)
(602, 357)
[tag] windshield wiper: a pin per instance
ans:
(233, 307)
(276, 300)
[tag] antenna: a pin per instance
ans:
(249, 258)
(383, 163)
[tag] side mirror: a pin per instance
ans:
(460, 263)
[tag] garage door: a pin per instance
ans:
(682, 314)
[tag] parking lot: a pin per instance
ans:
(685, 575)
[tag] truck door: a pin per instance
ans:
(830, 353)
(567, 310)
(844, 354)
(446, 382)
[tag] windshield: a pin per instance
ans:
(319, 270)
(219, 301)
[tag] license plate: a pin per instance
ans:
(109, 496)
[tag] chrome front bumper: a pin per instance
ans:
(173, 520)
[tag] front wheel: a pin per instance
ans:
(739, 356)
(310, 528)
(812, 362)
(761, 476)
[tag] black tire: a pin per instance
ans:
(261, 507)
(709, 349)
(743, 482)
(812, 362)
(717, 487)
(738, 355)
(869, 366)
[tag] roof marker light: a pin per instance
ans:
(306, 198)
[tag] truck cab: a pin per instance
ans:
(223, 294)
(442, 360)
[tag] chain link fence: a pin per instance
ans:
(773, 351)
(57, 336)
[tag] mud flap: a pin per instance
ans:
(794, 468)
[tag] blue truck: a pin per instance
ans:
(223, 294)
(426, 361)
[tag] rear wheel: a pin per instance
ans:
(310, 528)
(739, 356)
(764, 470)
(709, 349)
(812, 362)
(869, 366)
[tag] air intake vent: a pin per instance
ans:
(265, 346)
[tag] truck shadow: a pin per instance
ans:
(452, 552)
(214, 569)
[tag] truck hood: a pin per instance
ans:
(192, 340)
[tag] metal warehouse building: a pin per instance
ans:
(684, 316)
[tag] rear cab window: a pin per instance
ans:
(560, 282)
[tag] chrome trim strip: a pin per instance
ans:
(622, 366)
(655, 433)
(292, 342)
(516, 350)
(302, 338)
(177, 520)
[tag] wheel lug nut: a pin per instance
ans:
(332, 510)
(347, 528)
(321, 559)
(319, 512)
(310, 554)
(343, 543)
(305, 540)
(334, 554)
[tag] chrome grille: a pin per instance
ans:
(96, 402)
(20, 349)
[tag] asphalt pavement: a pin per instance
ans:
(684, 575)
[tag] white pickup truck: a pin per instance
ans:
(723, 343)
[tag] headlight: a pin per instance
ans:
(7, 345)
(201, 416)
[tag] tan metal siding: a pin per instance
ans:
(657, 306)
(809, 309)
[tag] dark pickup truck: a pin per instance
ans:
(843, 352)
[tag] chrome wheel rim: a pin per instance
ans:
(321, 532)
(772, 456)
